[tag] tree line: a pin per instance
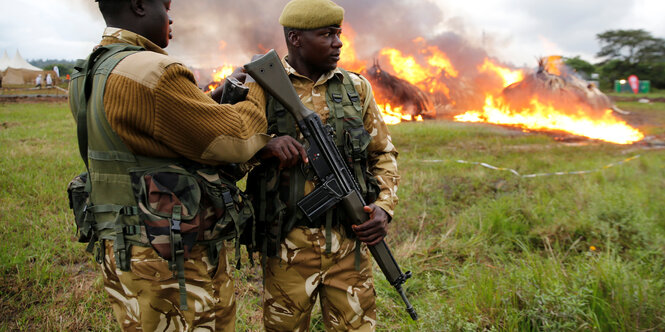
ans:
(64, 66)
(624, 53)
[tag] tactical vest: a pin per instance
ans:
(275, 202)
(133, 200)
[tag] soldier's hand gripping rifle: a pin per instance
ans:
(335, 182)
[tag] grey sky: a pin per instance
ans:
(524, 29)
(514, 31)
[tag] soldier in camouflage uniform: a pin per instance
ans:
(326, 258)
(152, 111)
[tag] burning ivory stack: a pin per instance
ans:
(556, 81)
(411, 99)
(421, 81)
(554, 99)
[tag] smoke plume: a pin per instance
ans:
(208, 33)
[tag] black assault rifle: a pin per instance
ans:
(335, 182)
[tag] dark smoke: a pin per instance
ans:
(248, 27)
(251, 26)
(210, 33)
(243, 27)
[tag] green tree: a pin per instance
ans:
(63, 68)
(580, 66)
(631, 46)
(628, 52)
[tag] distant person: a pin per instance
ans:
(38, 81)
(49, 80)
(158, 224)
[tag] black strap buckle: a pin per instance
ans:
(228, 199)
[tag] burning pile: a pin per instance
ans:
(553, 98)
(413, 103)
(419, 81)
(411, 92)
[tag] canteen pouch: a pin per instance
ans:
(220, 206)
(79, 202)
(168, 201)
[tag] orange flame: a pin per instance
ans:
(427, 78)
(405, 67)
(507, 75)
(395, 115)
(218, 75)
(576, 119)
(542, 116)
(349, 60)
(349, 57)
(440, 61)
(553, 65)
(221, 73)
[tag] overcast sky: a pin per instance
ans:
(513, 31)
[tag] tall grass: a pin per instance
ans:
(490, 251)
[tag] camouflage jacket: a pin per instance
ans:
(382, 154)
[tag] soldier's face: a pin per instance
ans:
(320, 48)
(157, 16)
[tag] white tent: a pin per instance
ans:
(17, 70)
(4, 62)
(19, 63)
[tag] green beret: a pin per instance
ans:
(311, 14)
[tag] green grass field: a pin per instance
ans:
(489, 250)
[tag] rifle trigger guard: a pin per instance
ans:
(330, 190)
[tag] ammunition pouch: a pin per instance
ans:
(79, 200)
(181, 207)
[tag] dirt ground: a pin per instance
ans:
(33, 99)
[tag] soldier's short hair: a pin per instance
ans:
(110, 7)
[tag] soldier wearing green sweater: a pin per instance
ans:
(155, 220)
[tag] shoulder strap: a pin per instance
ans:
(338, 95)
(114, 53)
(280, 121)
(351, 91)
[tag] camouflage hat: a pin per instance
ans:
(311, 14)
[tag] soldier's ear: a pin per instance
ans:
(294, 38)
(138, 7)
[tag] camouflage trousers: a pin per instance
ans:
(303, 270)
(147, 298)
